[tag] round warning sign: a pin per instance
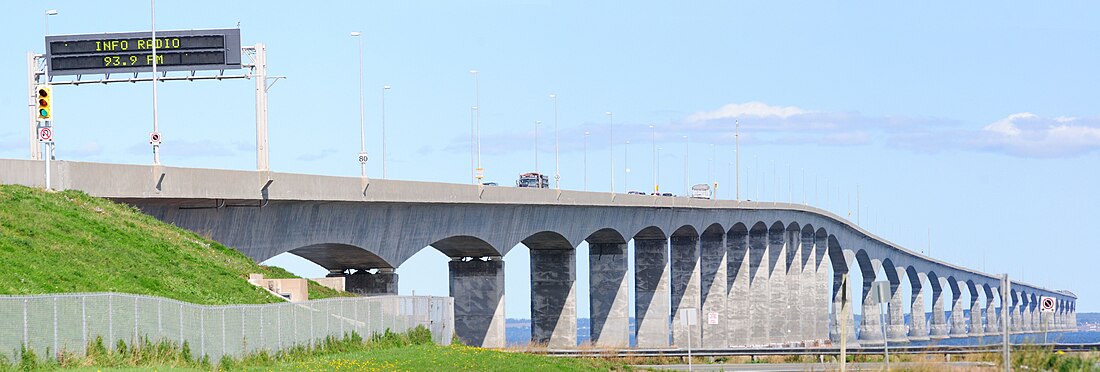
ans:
(45, 134)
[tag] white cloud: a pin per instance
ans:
(754, 109)
(1029, 135)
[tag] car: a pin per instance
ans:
(667, 194)
(635, 193)
(489, 184)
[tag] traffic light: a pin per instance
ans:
(44, 93)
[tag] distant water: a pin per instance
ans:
(518, 333)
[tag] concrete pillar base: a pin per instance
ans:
(685, 290)
(478, 290)
(363, 283)
(652, 306)
(608, 291)
(554, 298)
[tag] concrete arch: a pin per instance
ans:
(650, 232)
(550, 240)
(465, 246)
(606, 236)
(807, 246)
(892, 272)
(336, 256)
(821, 248)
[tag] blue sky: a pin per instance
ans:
(974, 124)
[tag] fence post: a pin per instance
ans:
(26, 334)
(311, 325)
(279, 326)
(110, 319)
(55, 351)
(160, 323)
(84, 323)
(136, 337)
(202, 330)
(261, 327)
(181, 325)
(223, 332)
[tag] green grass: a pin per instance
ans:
(413, 351)
(65, 242)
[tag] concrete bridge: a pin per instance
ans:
(759, 274)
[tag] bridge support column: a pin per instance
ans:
(685, 289)
(1025, 314)
(870, 324)
(478, 290)
(738, 297)
(712, 257)
(989, 313)
(821, 291)
(775, 309)
(1014, 314)
(758, 300)
(554, 298)
(792, 267)
(842, 313)
(1046, 322)
(1035, 322)
(651, 291)
(895, 328)
(607, 267)
(1073, 316)
(918, 321)
(976, 327)
(938, 327)
(807, 304)
(363, 283)
(958, 317)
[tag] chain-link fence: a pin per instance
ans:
(67, 322)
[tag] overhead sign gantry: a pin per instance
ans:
(105, 53)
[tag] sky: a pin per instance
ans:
(970, 130)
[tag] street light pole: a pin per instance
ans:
(537, 122)
(653, 141)
(737, 155)
(156, 123)
(686, 190)
(479, 172)
(586, 160)
(473, 165)
(362, 118)
(611, 124)
(384, 89)
(626, 168)
(557, 173)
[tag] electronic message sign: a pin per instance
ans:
(185, 50)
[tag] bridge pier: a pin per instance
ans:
(737, 316)
(775, 308)
(842, 313)
(381, 283)
(1035, 322)
(918, 321)
(938, 327)
(1014, 314)
(870, 324)
(895, 314)
(758, 298)
(478, 290)
(989, 313)
(958, 317)
(1073, 315)
(821, 291)
(976, 328)
(1025, 313)
(553, 297)
(684, 254)
(651, 292)
(607, 265)
(807, 304)
(712, 257)
(792, 267)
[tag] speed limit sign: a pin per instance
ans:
(45, 134)
(363, 157)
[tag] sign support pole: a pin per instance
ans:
(260, 73)
(32, 80)
(1005, 321)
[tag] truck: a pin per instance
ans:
(700, 191)
(533, 179)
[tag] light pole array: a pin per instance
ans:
(362, 119)
(473, 152)
(687, 191)
(557, 174)
(384, 89)
(626, 168)
(737, 155)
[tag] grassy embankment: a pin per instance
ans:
(67, 242)
(412, 351)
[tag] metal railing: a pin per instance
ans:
(47, 324)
